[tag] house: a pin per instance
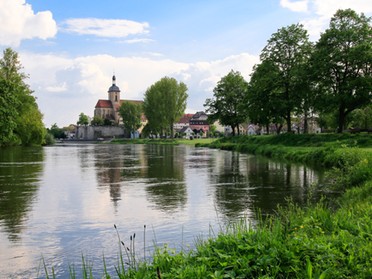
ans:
(183, 122)
(199, 123)
(187, 132)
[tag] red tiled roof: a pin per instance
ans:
(104, 104)
(185, 118)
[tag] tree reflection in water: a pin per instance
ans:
(20, 170)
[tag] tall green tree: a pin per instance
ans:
(342, 64)
(164, 104)
(227, 104)
(288, 50)
(265, 106)
(131, 116)
(20, 118)
(83, 119)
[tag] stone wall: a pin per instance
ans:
(98, 132)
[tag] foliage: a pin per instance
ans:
(342, 64)
(20, 118)
(286, 53)
(58, 133)
(131, 114)
(361, 118)
(227, 106)
(83, 119)
(97, 121)
(164, 104)
(263, 98)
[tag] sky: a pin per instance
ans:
(71, 49)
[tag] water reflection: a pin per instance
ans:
(165, 172)
(61, 204)
(243, 183)
(160, 168)
(20, 169)
(231, 185)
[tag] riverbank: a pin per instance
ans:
(322, 240)
(174, 141)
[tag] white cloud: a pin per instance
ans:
(136, 41)
(64, 87)
(57, 88)
(296, 6)
(323, 11)
(18, 22)
(329, 7)
(109, 28)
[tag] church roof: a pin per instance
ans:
(113, 87)
(104, 104)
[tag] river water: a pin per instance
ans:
(60, 203)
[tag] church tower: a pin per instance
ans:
(114, 93)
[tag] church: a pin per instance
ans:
(109, 109)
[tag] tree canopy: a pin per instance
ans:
(342, 64)
(164, 104)
(131, 115)
(288, 50)
(83, 119)
(20, 118)
(228, 103)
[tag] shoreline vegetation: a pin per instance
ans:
(326, 239)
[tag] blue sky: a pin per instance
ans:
(70, 49)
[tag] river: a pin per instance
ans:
(61, 202)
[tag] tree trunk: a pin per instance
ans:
(289, 124)
(278, 128)
(341, 120)
(306, 127)
(172, 131)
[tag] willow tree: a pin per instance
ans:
(20, 118)
(164, 104)
(342, 64)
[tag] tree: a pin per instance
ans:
(131, 115)
(264, 97)
(57, 132)
(97, 121)
(362, 118)
(164, 104)
(342, 64)
(227, 106)
(288, 50)
(83, 119)
(20, 118)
